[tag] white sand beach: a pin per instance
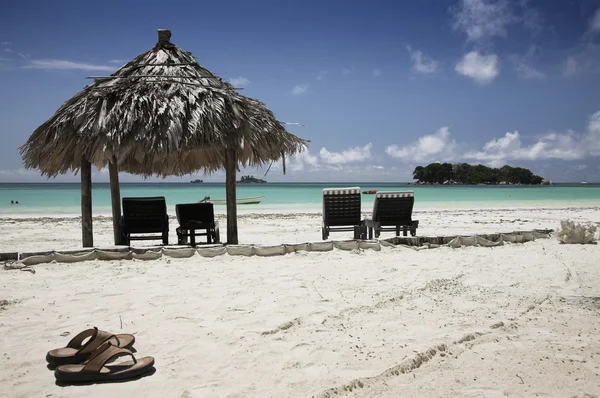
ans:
(516, 320)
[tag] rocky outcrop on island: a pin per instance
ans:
(196, 181)
(251, 179)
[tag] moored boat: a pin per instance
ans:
(248, 200)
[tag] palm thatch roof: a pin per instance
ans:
(160, 114)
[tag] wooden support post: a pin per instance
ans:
(230, 170)
(115, 198)
(87, 234)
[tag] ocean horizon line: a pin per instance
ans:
(370, 183)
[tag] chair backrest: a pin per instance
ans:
(193, 214)
(393, 208)
(145, 214)
(341, 206)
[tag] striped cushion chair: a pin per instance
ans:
(392, 211)
(341, 212)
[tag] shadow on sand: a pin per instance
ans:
(150, 372)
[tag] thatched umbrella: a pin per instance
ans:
(160, 114)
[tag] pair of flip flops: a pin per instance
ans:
(89, 360)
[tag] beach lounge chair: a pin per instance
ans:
(194, 218)
(341, 212)
(145, 216)
(392, 211)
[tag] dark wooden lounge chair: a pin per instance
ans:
(392, 211)
(145, 216)
(341, 212)
(194, 218)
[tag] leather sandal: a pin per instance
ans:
(76, 352)
(96, 368)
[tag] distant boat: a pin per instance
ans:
(248, 200)
(584, 182)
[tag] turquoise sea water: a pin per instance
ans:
(64, 198)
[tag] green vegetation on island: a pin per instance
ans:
(464, 173)
(251, 179)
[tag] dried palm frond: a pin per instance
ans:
(160, 114)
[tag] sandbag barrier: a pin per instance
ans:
(155, 253)
(485, 240)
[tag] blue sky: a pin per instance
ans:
(381, 86)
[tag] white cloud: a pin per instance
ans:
(6, 43)
(8, 50)
(117, 61)
(239, 81)
(299, 89)
(531, 18)
(350, 173)
(563, 146)
(322, 75)
(58, 64)
(304, 160)
(434, 147)
(346, 71)
(571, 67)
(524, 67)
(351, 155)
(376, 72)
(20, 171)
(528, 72)
(482, 19)
(585, 58)
(481, 68)
(593, 135)
(328, 164)
(422, 63)
(595, 23)
(510, 148)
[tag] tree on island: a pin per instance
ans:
(251, 179)
(464, 173)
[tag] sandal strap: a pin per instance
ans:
(96, 339)
(77, 340)
(103, 354)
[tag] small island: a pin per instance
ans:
(251, 179)
(466, 174)
(196, 181)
